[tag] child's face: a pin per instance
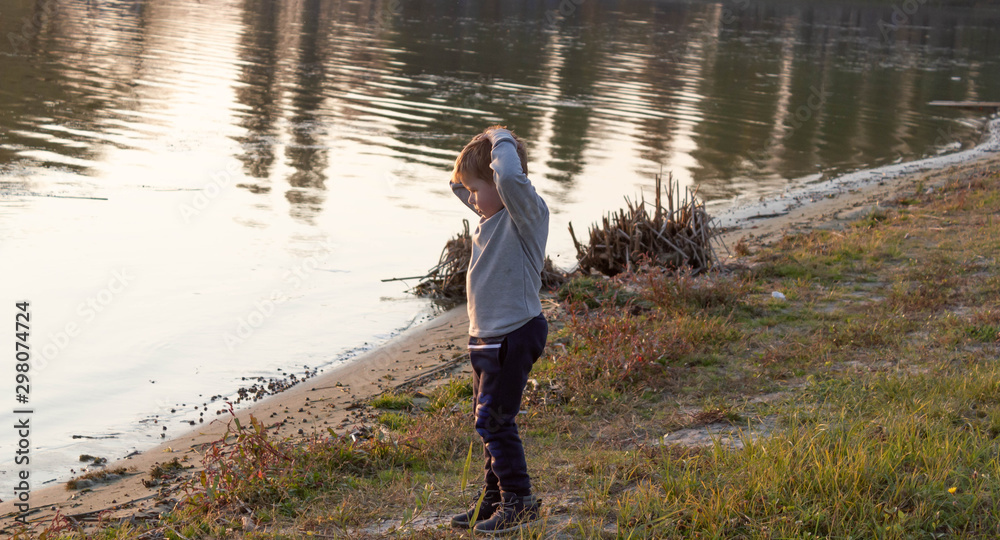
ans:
(484, 197)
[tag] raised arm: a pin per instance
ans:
(516, 191)
(463, 194)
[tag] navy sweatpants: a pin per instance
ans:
(500, 368)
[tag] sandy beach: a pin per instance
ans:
(414, 359)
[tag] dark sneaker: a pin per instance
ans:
(491, 500)
(512, 514)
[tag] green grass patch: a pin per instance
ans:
(392, 401)
(450, 394)
(394, 421)
(594, 292)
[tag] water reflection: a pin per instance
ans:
(260, 92)
(306, 153)
(727, 95)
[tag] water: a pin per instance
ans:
(199, 191)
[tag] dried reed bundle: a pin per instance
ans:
(446, 281)
(552, 277)
(679, 235)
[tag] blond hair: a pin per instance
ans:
(475, 158)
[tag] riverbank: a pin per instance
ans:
(330, 401)
(741, 357)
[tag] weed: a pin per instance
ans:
(593, 292)
(449, 395)
(742, 249)
(872, 219)
(392, 401)
(160, 470)
(682, 292)
(394, 421)
(242, 468)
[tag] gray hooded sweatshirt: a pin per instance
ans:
(508, 248)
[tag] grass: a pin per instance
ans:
(449, 395)
(394, 421)
(392, 401)
(890, 459)
(594, 292)
(866, 402)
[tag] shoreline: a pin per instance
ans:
(806, 194)
(327, 401)
(413, 358)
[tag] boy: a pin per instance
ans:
(507, 330)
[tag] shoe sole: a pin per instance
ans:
(467, 526)
(508, 530)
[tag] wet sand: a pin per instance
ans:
(413, 359)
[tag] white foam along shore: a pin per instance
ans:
(742, 212)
